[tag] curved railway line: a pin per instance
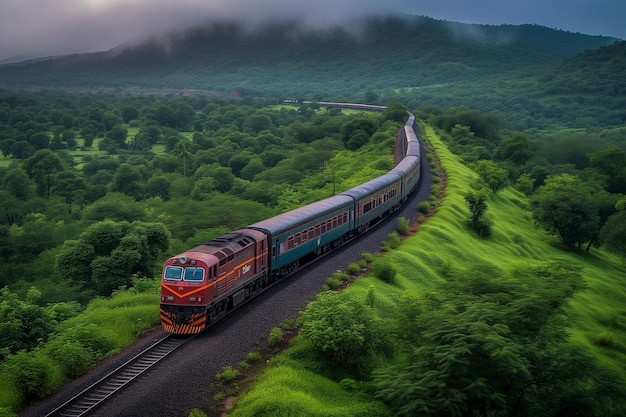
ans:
(105, 388)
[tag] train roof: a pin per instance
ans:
(364, 190)
(406, 165)
(297, 217)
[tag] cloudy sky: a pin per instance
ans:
(53, 27)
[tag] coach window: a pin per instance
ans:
(290, 243)
(297, 239)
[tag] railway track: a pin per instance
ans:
(121, 377)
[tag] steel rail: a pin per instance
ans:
(101, 390)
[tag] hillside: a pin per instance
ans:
(282, 59)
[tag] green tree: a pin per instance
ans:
(159, 186)
(613, 234)
(69, 186)
(183, 154)
(23, 324)
(515, 149)
(495, 178)
(341, 328)
(477, 204)
(611, 163)
(17, 183)
(42, 168)
(565, 206)
(128, 180)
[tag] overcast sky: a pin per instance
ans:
(54, 27)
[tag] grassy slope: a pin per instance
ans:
(443, 243)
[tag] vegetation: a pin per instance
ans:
(521, 314)
(474, 326)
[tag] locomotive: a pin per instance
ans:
(202, 284)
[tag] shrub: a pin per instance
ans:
(229, 375)
(197, 413)
(367, 257)
(31, 375)
(403, 226)
(340, 327)
(253, 357)
(394, 240)
(244, 366)
(275, 337)
(435, 190)
(340, 276)
(331, 284)
(423, 207)
(71, 356)
(353, 269)
(384, 271)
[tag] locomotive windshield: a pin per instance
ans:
(194, 274)
(178, 273)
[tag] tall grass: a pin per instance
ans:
(442, 245)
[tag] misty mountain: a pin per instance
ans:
(286, 59)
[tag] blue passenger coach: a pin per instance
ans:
(307, 231)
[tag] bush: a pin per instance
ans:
(71, 356)
(197, 413)
(339, 327)
(353, 269)
(340, 276)
(367, 257)
(331, 284)
(229, 375)
(253, 357)
(31, 374)
(423, 207)
(394, 240)
(403, 226)
(275, 337)
(384, 271)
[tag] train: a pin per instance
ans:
(204, 283)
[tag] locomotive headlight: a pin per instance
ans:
(182, 260)
(169, 298)
(192, 299)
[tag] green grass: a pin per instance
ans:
(444, 244)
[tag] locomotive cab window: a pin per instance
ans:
(194, 274)
(173, 273)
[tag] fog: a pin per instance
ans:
(57, 27)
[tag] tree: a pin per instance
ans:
(23, 324)
(183, 154)
(515, 149)
(129, 113)
(564, 206)
(17, 183)
(42, 168)
(613, 234)
(341, 328)
(611, 163)
(69, 186)
(494, 177)
(477, 203)
(128, 180)
(108, 253)
(159, 186)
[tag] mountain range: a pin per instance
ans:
(283, 59)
